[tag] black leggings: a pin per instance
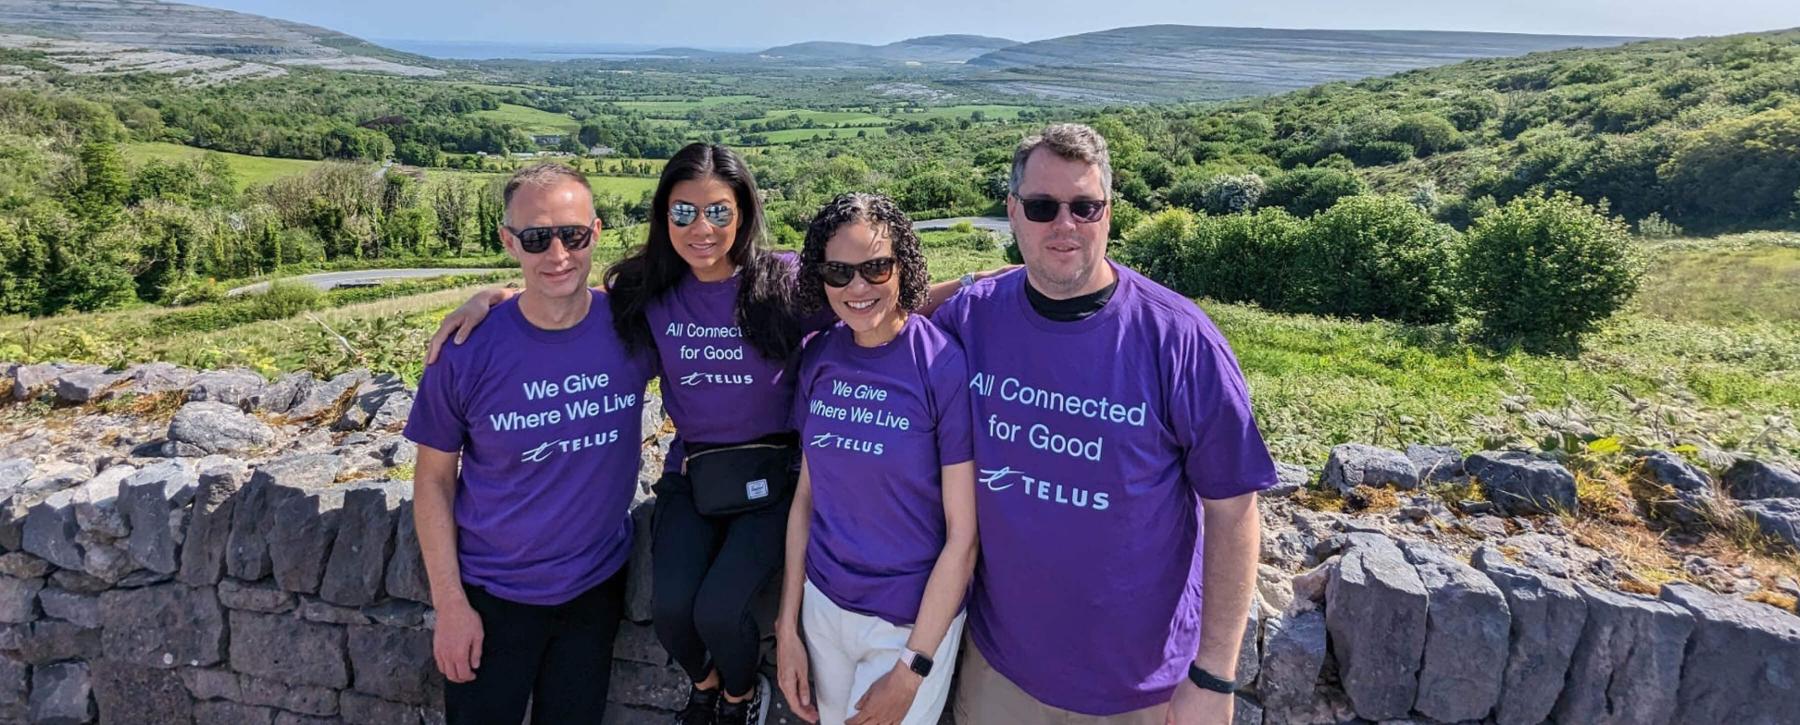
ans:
(559, 659)
(708, 571)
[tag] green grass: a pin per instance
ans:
(1749, 278)
(1315, 382)
(794, 135)
(679, 107)
(250, 170)
(991, 113)
(531, 120)
(860, 118)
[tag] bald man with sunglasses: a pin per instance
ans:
(1117, 464)
(528, 456)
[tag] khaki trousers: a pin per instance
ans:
(986, 697)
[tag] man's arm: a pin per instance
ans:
(1232, 539)
(456, 643)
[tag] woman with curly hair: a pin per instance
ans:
(881, 536)
(718, 310)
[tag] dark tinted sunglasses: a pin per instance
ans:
(537, 239)
(874, 271)
(1044, 210)
(682, 214)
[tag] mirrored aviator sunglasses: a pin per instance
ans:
(682, 214)
(1085, 211)
(535, 240)
(874, 271)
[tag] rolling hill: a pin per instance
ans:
(927, 49)
(121, 26)
(1182, 62)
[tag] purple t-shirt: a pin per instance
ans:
(715, 386)
(877, 426)
(1094, 441)
(548, 424)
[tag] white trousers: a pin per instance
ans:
(850, 651)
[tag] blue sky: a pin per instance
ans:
(751, 24)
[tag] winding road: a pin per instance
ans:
(991, 223)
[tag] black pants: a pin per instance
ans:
(558, 659)
(707, 572)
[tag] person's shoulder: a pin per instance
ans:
(975, 296)
(1166, 314)
(931, 339)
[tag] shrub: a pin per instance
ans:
(1544, 271)
(1382, 153)
(1376, 256)
(1738, 170)
(193, 291)
(1656, 227)
(1230, 194)
(1244, 257)
(1305, 192)
(285, 299)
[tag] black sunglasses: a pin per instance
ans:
(874, 271)
(682, 214)
(535, 240)
(1085, 211)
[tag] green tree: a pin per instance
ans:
(1377, 256)
(1305, 192)
(1738, 170)
(1544, 271)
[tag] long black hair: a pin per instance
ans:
(765, 308)
(886, 218)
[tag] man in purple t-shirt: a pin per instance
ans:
(525, 545)
(1117, 465)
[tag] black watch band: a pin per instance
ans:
(1207, 681)
(919, 663)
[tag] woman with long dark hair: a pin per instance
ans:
(718, 308)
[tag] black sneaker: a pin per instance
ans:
(749, 712)
(702, 708)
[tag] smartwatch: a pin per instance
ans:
(917, 662)
(968, 280)
(1208, 681)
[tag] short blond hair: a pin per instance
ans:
(540, 175)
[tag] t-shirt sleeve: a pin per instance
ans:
(438, 417)
(948, 374)
(953, 316)
(803, 382)
(1224, 453)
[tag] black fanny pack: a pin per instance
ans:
(733, 479)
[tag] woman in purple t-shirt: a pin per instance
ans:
(881, 538)
(718, 307)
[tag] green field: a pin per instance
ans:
(990, 112)
(531, 120)
(858, 118)
(250, 170)
(794, 135)
(1738, 279)
(679, 107)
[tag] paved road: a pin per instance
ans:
(990, 223)
(361, 277)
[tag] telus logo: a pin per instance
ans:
(1005, 479)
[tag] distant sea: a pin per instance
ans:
(488, 50)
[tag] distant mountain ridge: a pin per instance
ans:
(925, 49)
(197, 30)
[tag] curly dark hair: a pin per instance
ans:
(765, 304)
(885, 217)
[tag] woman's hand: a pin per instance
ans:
(464, 319)
(888, 700)
(793, 671)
